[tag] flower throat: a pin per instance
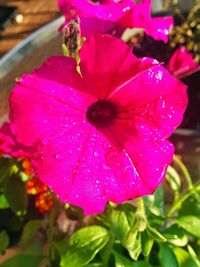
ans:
(102, 113)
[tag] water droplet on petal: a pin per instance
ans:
(58, 156)
(96, 154)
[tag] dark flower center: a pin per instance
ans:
(102, 113)
(95, 1)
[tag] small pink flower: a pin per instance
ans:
(182, 63)
(100, 136)
(110, 16)
(9, 145)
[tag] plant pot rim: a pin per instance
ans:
(37, 38)
(187, 132)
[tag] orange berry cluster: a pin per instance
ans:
(35, 187)
(44, 202)
(27, 166)
(43, 197)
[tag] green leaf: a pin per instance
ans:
(120, 224)
(3, 202)
(184, 258)
(22, 261)
(191, 206)
(146, 243)
(83, 245)
(107, 250)
(155, 203)
(122, 219)
(15, 193)
(129, 240)
(34, 249)
(176, 236)
(193, 254)
(141, 264)
(153, 232)
(190, 224)
(30, 229)
(167, 257)
(173, 179)
(15, 224)
(135, 249)
(4, 241)
(94, 265)
(122, 261)
(4, 168)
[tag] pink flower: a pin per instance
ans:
(100, 136)
(9, 145)
(182, 63)
(110, 16)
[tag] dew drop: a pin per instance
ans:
(58, 156)
(96, 154)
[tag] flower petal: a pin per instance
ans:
(47, 107)
(91, 170)
(155, 99)
(182, 63)
(140, 17)
(91, 26)
(106, 10)
(150, 156)
(83, 165)
(9, 145)
(103, 70)
(61, 70)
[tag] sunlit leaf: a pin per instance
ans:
(83, 245)
(173, 179)
(146, 243)
(122, 219)
(153, 232)
(3, 202)
(122, 261)
(190, 224)
(155, 203)
(167, 257)
(191, 206)
(135, 249)
(176, 236)
(120, 223)
(184, 258)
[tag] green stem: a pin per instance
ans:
(184, 171)
(178, 203)
(176, 196)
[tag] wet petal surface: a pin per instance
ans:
(9, 144)
(87, 163)
(102, 71)
(120, 14)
